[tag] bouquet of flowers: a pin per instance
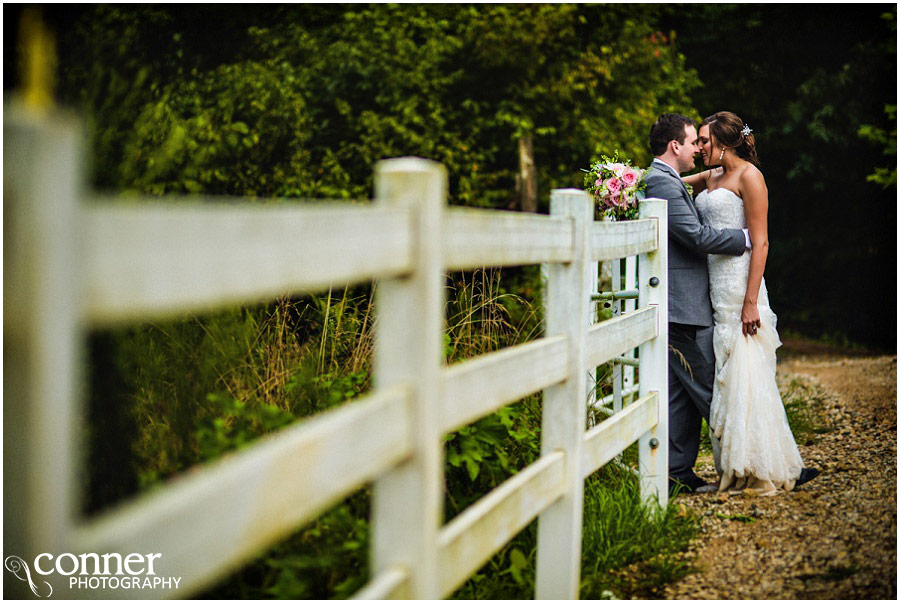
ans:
(616, 187)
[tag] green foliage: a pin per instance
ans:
(235, 425)
(312, 99)
(885, 176)
(803, 404)
(240, 129)
(326, 559)
(200, 386)
(484, 315)
(481, 456)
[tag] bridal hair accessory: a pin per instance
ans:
(746, 131)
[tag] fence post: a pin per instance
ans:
(630, 305)
(407, 501)
(42, 337)
(563, 416)
(653, 447)
(592, 381)
(617, 311)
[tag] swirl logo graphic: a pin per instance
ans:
(18, 567)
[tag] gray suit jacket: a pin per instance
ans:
(689, 242)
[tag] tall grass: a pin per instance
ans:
(803, 404)
(619, 531)
(167, 395)
(484, 316)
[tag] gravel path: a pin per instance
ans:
(833, 538)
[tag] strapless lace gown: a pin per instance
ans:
(757, 451)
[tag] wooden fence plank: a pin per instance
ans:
(477, 387)
(206, 522)
(42, 339)
(653, 446)
(612, 436)
(392, 583)
(630, 306)
(468, 541)
(563, 416)
(618, 335)
(407, 500)
(149, 259)
(475, 238)
(613, 240)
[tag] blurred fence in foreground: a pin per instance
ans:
(75, 262)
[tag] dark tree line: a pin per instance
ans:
(818, 85)
(301, 100)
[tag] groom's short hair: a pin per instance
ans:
(669, 126)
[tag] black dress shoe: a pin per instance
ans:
(806, 474)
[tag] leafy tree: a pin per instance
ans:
(240, 129)
(325, 93)
(581, 80)
(885, 176)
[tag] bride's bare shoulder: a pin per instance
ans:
(751, 175)
(751, 180)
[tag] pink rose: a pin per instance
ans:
(613, 185)
(629, 177)
(619, 169)
(599, 182)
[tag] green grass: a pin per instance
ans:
(618, 531)
(803, 403)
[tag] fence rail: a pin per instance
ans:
(217, 253)
(77, 261)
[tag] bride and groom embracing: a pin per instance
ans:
(721, 330)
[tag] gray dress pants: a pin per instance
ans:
(690, 394)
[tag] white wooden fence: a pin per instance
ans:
(74, 262)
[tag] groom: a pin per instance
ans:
(673, 141)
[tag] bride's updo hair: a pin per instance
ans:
(726, 129)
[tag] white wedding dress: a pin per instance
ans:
(757, 452)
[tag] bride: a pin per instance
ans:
(756, 451)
